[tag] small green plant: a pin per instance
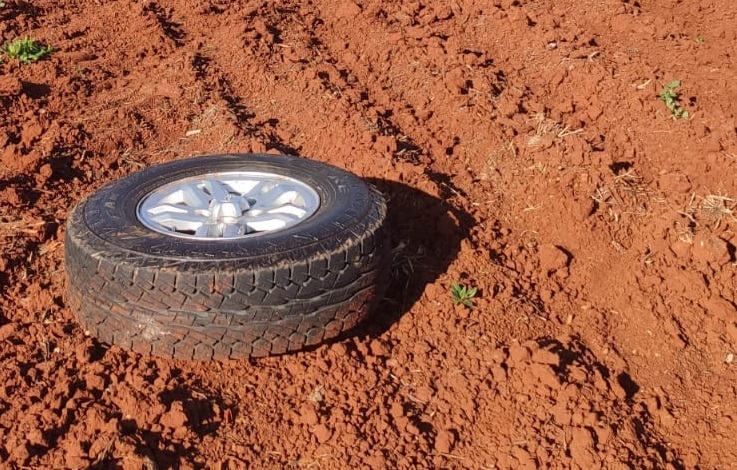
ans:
(671, 98)
(463, 295)
(699, 39)
(26, 50)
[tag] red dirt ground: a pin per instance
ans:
(524, 150)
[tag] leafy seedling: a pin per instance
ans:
(463, 295)
(699, 39)
(26, 50)
(671, 98)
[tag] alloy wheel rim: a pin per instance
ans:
(228, 205)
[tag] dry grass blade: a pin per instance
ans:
(630, 182)
(718, 208)
(105, 453)
(602, 194)
(633, 187)
(9, 228)
(547, 127)
(627, 193)
(404, 261)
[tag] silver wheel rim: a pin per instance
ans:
(228, 205)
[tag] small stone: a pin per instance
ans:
(731, 331)
(6, 331)
(46, 171)
(562, 417)
(10, 155)
(175, 418)
(667, 420)
(75, 456)
(582, 448)
(95, 382)
(31, 132)
(543, 356)
(680, 249)
(322, 433)
(412, 428)
(445, 441)
(545, 375)
(348, 10)
(524, 458)
(99, 445)
(518, 355)
(392, 363)
(340, 349)
(552, 258)
(710, 249)
(499, 374)
(719, 307)
(386, 144)
(424, 394)
(308, 415)
(455, 80)
(586, 209)
(378, 348)
(396, 410)
(257, 146)
(10, 86)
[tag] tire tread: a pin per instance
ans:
(178, 310)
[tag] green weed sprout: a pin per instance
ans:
(463, 295)
(671, 98)
(26, 50)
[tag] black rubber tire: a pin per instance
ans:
(235, 298)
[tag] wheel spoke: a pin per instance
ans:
(268, 222)
(204, 231)
(228, 205)
(274, 198)
(218, 190)
(256, 189)
(289, 209)
(178, 221)
(173, 210)
(194, 196)
(232, 230)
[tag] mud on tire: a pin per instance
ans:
(177, 295)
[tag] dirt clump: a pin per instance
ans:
(524, 149)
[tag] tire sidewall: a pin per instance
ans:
(345, 200)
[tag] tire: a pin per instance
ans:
(179, 295)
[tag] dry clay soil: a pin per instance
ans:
(524, 150)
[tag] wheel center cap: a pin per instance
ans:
(229, 210)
